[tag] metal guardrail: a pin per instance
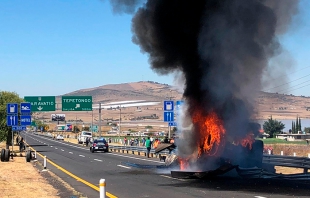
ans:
(287, 161)
(135, 149)
(275, 160)
(124, 149)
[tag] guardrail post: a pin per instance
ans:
(269, 152)
(281, 152)
(308, 155)
(35, 154)
(44, 163)
(102, 188)
(294, 154)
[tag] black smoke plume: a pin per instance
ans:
(221, 46)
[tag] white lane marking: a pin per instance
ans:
(98, 160)
(70, 152)
(51, 146)
(172, 178)
(56, 148)
(135, 158)
(260, 197)
(44, 143)
(62, 150)
(81, 155)
(107, 153)
(124, 166)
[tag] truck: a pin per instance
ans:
(83, 135)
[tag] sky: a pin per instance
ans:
(53, 47)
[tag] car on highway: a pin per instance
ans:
(60, 137)
(99, 145)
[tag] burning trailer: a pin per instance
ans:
(241, 155)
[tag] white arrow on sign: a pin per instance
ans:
(40, 108)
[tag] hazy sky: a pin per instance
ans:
(53, 47)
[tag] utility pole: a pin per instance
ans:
(75, 123)
(100, 120)
(92, 120)
(120, 118)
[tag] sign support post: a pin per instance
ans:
(92, 120)
(100, 120)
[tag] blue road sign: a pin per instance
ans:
(25, 120)
(168, 116)
(11, 120)
(41, 128)
(25, 107)
(172, 124)
(179, 103)
(168, 105)
(19, 128)
(12, 108)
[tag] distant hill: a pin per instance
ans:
(280, 106)
(143, 90)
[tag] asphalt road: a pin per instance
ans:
(145, 180)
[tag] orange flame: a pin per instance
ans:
(211, 131)
(183, 164)
(247, 141)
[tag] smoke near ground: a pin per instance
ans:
(222, 47)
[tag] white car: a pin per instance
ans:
(60, 137)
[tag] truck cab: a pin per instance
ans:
(83, 135)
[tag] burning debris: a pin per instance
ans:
(222, 48)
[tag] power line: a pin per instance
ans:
(287, 83)
(290, 73)
(299, 88)
(294, 86)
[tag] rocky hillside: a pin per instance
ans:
(143, 90)
(278, 105)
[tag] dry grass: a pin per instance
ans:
(20, 179)
(287, 170)
(290, 149)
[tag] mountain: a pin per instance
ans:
(280, 106)
(143, 90)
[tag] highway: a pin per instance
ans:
(127, 181)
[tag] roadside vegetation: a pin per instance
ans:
(279, 141)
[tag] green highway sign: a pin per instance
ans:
(77, 103)
(41, 103)
(33, 123)
(93, 128)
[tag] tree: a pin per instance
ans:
(272, 127)
(6, 131)
(307, 129)
(292, 130)
(299, 125)
(76, 129)
(294, 127)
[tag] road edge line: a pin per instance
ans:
(72, 175)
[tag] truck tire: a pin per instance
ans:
(28, 156)
(2, 155)
(7, 155)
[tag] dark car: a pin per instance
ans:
(99, 145)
